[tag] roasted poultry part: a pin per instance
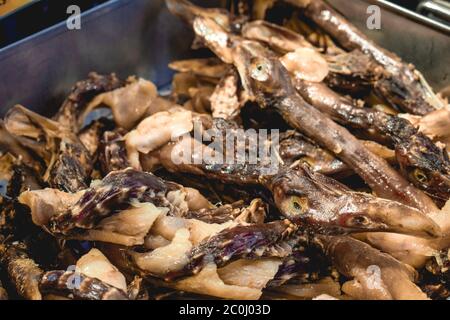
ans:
(60, 283)
(206, 67)
(303, 195)
(81, 94)
(112, 151)
(69, 163)
(23, 272)
(423, 162)
(114, 193)
(3, 293)
(401, 84)
(259, 240)
(375, 275)
(264, 77)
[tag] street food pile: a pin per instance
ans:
(293, 158)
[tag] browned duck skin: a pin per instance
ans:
(113, 194)
(82, 93)
(255, 213)
(294, 146)
(424, 163)
(274, 239)
(24, 273)
(112, 151)
(400, 84)
(69, 163)
(61, 283)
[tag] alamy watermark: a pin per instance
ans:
(374, 19)
(73, 22)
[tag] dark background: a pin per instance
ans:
(36, 17)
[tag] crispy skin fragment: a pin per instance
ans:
(24, 273)
(60, 282)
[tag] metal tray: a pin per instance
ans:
(141, 37)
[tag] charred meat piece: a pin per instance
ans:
(23, 272)
(69, 163)
(91, 136)
(63, 283)
(401, 84)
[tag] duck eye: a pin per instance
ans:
(359, 221)
(260, 71)
(420, 176)
(297, 205)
